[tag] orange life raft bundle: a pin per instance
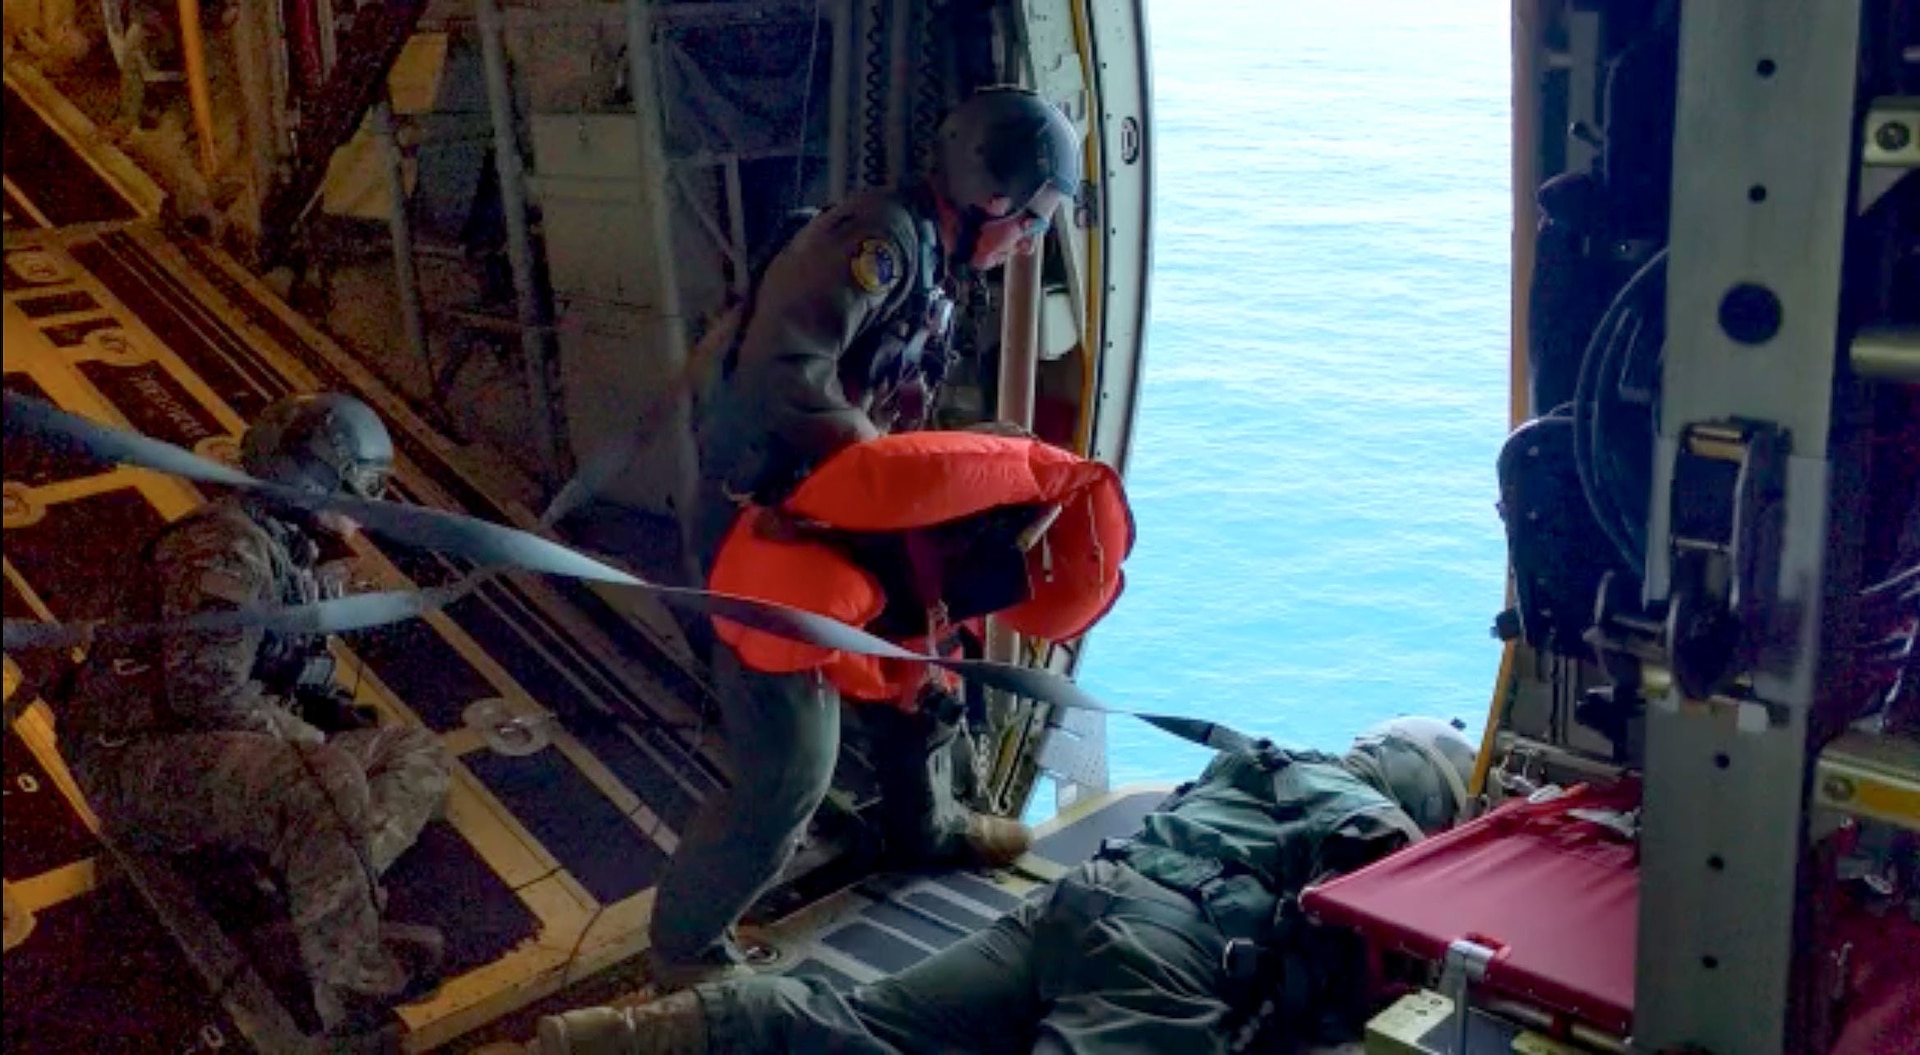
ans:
(910, 535)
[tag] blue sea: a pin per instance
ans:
(1326, 375)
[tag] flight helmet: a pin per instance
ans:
(1423, 764)
(325, 443)
(1005, 162)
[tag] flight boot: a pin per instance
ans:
(996, 842)
(671, 1025)
(971, 840)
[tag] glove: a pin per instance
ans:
(940, 704)
(333, 710)
(1001, 428)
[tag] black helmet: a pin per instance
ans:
(1005, 142)
(1009, 144)
(323, 444)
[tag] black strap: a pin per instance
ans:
(1251, 951)
(1212, 734)
(1206, 879)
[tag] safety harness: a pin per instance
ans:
(286, 665)
(1274, 959)
(910, 346)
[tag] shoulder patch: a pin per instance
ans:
(876, 265)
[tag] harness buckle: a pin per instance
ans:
(1242, 960)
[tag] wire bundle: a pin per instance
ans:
(1616, 396)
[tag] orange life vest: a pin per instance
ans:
(918, 480)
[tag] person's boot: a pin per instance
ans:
(972, 840)
(996, 842)
(671, 1025)
(414, 957)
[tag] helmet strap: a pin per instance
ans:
(966, 238)
(964, 224)
(1363, 757)
(1456, 788)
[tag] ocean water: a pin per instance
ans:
(1325, 384)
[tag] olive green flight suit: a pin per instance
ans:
(1123, 954)
(788, 395)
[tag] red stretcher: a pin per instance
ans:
(1556, 898)
(1878, 984)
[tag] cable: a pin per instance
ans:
(1888, 586)
(1641, 328)
(873, 96)
(1582, 456)
(1623, 482)
(1622, 336)
(929, 97)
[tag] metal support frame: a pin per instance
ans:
(840, 108)
(536, 336)
(1092, 57)
(1764, 166)
(257, 70)
(655, 169)
(736, 224)
(644, 88)
(193, 50)
(1584, 76)
(1464, 966)
(406, 277)
(1018, 378)
(703, 216)
(1020, 338)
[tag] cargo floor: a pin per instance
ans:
(542, 872)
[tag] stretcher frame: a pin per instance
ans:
(1479, 952)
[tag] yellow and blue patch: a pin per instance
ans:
(876, 266)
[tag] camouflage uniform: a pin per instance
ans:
(1126, 953)
(789, 386)
(204, 748)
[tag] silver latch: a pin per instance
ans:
(1464, 965)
